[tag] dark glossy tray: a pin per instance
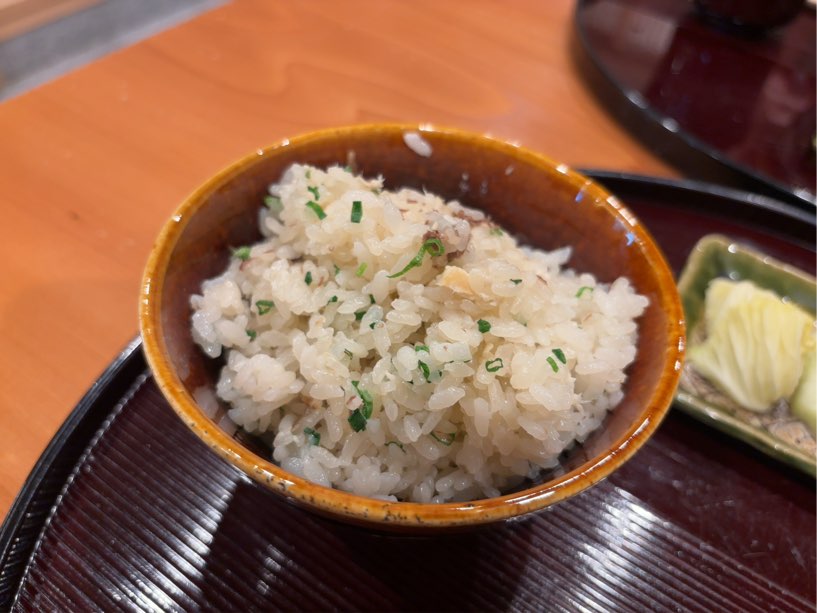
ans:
(127, 510)
(731, 109)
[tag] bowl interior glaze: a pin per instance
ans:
(541, 202)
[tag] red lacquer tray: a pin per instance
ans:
(127, 510)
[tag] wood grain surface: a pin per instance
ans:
(92, 164)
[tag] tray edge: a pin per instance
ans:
(20, 530)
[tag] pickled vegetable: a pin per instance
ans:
(755, 345)
(804, 401)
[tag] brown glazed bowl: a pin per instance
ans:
(542, 202)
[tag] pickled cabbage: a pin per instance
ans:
(804, 401)
(755, 344)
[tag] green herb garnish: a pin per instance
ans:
(337, 269)
(372, 325)
(242, 253)
(361, 269)
(273, 203)
(560, 355)
(308, 278)
(314, 191)
(516, 281)
(446, 438)
(494, 365)
(553, 364)
(312, 436)
(484, 326)
(433, 246)
(497, 231)
(308, 173)
(357, 211)
(399, 444)
(348, 168)
(264, 306)
(317, 209)
(252, 334)
(332, 299)
(371, 299)
(357, 421)
(583, 289)
(366, 397)
(359, 315)
(426, 371)
(421, 348)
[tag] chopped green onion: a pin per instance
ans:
(357, 421)
(372, 325)
(357, 211)
(333, 299)
(359, 315)
(371, 299)
(516, 281)
(242, 253)
(497, 231)
(560, 355)
(312, 436)
(484, 326)
(308, 173)
(317, 209)
(273, 203)
(553, 364)
(361, 269)
(421, 348)
(348, 168)
(399, 444)
(446, 439)
(366, 397)
(426, 371)
(583, 289)
(433, 246)
(252, 334)
(494, 365)
(314, 191)
(348, 353)
(264, 306)
(308, 278)
(337, 269)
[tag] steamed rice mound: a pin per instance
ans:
(470, 369)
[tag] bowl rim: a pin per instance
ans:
(371, 511)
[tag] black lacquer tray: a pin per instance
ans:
(126, 509)
(728, 108)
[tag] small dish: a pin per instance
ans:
(777, 433)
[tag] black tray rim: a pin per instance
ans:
(646, 123)
(84, 420)
(94, 407)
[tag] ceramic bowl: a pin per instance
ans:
(543, 203)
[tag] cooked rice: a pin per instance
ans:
(455, 413)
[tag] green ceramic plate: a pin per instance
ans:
(777, 433)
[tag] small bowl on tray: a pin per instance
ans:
(543, 203)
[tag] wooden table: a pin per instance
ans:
(93, 163)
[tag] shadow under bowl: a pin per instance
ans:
(542, 203)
